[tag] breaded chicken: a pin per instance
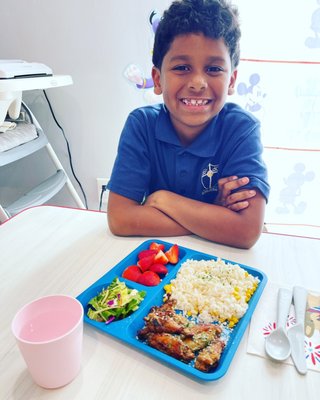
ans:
(164, 319)
(171, 345)
(177, 336)
(196, 329)
(209, 356)
(202, 336)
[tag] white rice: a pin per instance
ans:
(213, 290)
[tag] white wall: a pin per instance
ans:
(93, 41)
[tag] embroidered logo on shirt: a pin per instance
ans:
(207, 180)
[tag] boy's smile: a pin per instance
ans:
(195, 78)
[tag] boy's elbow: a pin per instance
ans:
(248, 243)
(116, 225)
(123, 223)
(249, 237)
(248, 229)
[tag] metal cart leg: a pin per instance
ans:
(3, 215)
(69, 185)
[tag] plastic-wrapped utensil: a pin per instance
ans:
(277, 344)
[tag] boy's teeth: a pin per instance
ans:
(194, 102)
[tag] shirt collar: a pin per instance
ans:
(202, 146)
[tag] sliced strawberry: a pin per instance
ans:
(146, 253)
(149, 278)
(132, 273)
(159, 269)
(161, 258)
(173, 254)
(156, 246)
(145, 262)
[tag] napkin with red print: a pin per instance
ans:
(263, 322)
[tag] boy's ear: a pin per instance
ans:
(156, 80)
(232, 82)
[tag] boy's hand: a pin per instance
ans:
(236, 201)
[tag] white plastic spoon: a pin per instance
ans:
(277, 344)
(296, 333)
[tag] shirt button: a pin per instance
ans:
(183, 173)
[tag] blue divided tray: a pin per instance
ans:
(126, 329)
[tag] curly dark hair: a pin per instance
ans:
(213, 18)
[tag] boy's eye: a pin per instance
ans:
(181, 68)
(214, 69)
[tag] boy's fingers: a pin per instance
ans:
(241, 205)
(226, 185)
(223, 181)
(240, 197)
(237, 183)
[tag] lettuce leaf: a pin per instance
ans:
(115, 302)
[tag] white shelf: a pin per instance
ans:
(11, 91)
(40, 194)
(32, 83)
(25, 149)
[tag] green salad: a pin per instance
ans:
(115, 302)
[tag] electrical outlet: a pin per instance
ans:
(101, 182)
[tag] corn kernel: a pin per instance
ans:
(233, 321)
(168, 288)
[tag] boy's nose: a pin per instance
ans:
(197, 82)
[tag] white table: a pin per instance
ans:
(47, 250)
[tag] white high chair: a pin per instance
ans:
(10, 102)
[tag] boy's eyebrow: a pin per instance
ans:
(185, 58)
(179, 58)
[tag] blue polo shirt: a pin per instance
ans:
(150, 156)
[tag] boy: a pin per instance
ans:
(178, 163)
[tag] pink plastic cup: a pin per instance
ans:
(49, 334)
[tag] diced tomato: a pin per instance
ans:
(145, 253)
(161, 258)
(132, 273)
(159, 269)
(173, 254)
(149, 278)
(145, 262)
(156, 246)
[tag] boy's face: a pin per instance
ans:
(195, 78)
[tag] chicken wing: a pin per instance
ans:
(171, 345)
(164, 319)
(209, 356)
(201, 336)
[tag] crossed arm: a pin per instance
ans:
(236, 219)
